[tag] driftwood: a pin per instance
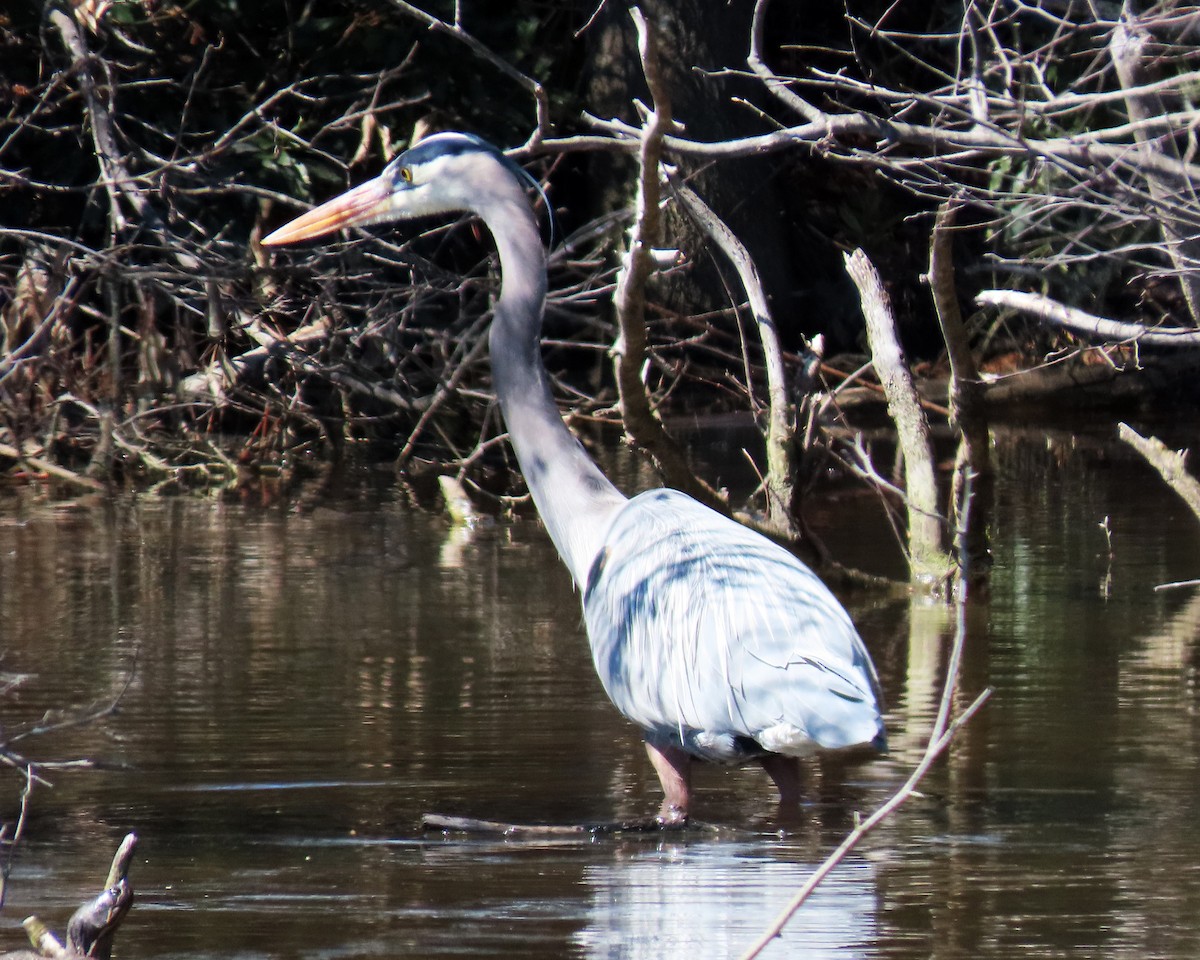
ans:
(92, 928)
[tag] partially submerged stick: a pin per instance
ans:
(451, 824)
(92, 928)
(1170, 464)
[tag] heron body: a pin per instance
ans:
(691, 647)
(718, 643)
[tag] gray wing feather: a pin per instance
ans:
(708, 635)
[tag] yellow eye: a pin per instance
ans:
(406, 174)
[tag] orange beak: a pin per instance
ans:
(361, 205)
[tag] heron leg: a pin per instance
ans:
(785, 771)
(674, 769)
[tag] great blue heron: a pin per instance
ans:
(718, 643)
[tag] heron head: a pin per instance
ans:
(444, 173)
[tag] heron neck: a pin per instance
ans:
(575, 500)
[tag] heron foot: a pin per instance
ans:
(674, 769)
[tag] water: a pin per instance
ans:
(303, 686)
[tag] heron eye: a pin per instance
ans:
(406, 174)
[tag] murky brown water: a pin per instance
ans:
(306, 686)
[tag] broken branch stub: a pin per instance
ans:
(928, 562)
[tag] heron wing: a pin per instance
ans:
(709, 635)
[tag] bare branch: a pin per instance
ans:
(1051, 311)
(644, 428)
(1128, 43)
(533, 87)
(1171, 465)
(777, 87)
(781, 429)
(972, 467)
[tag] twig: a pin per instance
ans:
(452, 824)
(535, 89)
(1176, 585)
(470, 356)
(115, 176)
(10, 841)
(776, 86)
(1075, 152)
(95, 713)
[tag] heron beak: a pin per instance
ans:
(360, 205)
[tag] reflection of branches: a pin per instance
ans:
(30, 770)
(940, 737)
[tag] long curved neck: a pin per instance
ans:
(576, 501)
